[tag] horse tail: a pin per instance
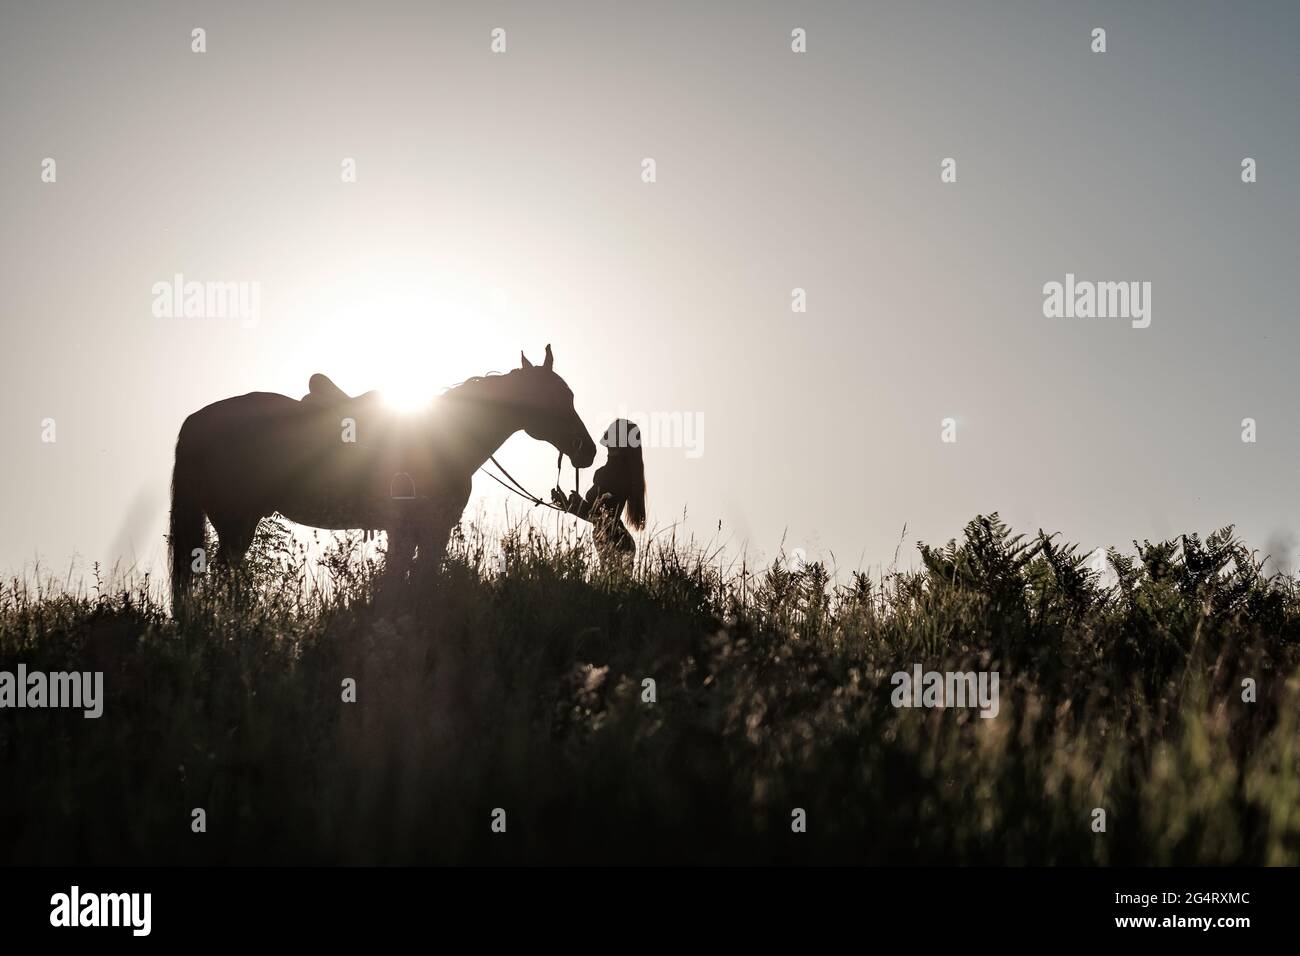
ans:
(187, 520)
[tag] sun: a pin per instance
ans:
(408, 332)
(407, 396)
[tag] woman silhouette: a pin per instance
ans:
(618, 486)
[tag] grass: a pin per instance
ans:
(515, 681)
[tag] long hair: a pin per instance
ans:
(624, 472)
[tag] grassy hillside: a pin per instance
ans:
(516, 682)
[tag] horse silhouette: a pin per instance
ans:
(337, 462)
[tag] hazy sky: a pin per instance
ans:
(499, 204)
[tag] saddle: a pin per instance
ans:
(372, 419)
(322, 391)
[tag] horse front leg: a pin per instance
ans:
(434, 533)
(402, 541)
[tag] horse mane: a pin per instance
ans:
(469, 386)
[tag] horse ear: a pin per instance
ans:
(550, 359)
(523, 360)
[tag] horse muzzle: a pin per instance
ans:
(582, 453)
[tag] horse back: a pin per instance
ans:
(261, 433)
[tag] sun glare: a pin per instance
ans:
(407, 397)
(411, 335)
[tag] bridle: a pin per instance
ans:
(515, 487)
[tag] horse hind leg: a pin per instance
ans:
(234, 538)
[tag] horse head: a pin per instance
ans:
(549, 415)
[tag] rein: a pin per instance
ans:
(523, 492)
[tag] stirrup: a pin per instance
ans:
(407, 486)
